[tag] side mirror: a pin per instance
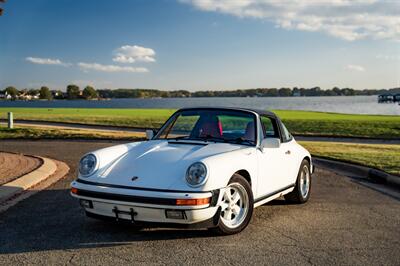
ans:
(149, 134)
(270, 143)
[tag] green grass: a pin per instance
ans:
(115, 117)
(380, 156)
(298, 122)
(344, 125)
(38, 133)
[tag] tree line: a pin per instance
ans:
(74, 92)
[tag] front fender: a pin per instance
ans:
(107, 156)
(222, 167)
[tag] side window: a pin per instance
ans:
(269, 127)
(286, 136)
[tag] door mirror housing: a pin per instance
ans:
(150, 134)
(270, 143)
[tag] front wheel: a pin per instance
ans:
(236, 207)
(301, 191)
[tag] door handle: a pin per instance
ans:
(287, 152)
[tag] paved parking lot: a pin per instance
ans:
(344, 223)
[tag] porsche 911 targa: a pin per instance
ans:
(205, 167)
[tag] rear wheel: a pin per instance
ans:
(237, 206)
(301, 192)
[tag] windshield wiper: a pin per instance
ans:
(217, 139)
(241, 141)
(210, 138)
(181, 137)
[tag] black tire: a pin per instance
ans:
(296, 196)
(222, 229)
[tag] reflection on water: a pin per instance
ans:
(338, 104)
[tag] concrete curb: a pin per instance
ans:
(383, 177)
(29, 180)
(61, 172)
(375, 175)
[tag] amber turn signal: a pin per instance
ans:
(74, 190)
(186, 202)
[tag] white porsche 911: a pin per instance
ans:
(205, 167)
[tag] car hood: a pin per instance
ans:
(159, 164)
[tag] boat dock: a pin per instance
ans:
(389, 98)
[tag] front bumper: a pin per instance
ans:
(145, 206)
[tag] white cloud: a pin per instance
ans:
(388, 57)
(134, 53)
(46, 61)
(357, 68)
(111, 68)
(346, 19)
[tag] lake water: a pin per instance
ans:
(339, 104)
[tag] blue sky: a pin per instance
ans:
(200, 44)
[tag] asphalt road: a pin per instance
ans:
(343, 223)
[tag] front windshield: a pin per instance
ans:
(211, 125)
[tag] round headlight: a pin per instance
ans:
(87, 165)
(196, 174)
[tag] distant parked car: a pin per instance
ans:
(206, 167)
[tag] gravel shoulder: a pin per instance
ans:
(343, 223)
